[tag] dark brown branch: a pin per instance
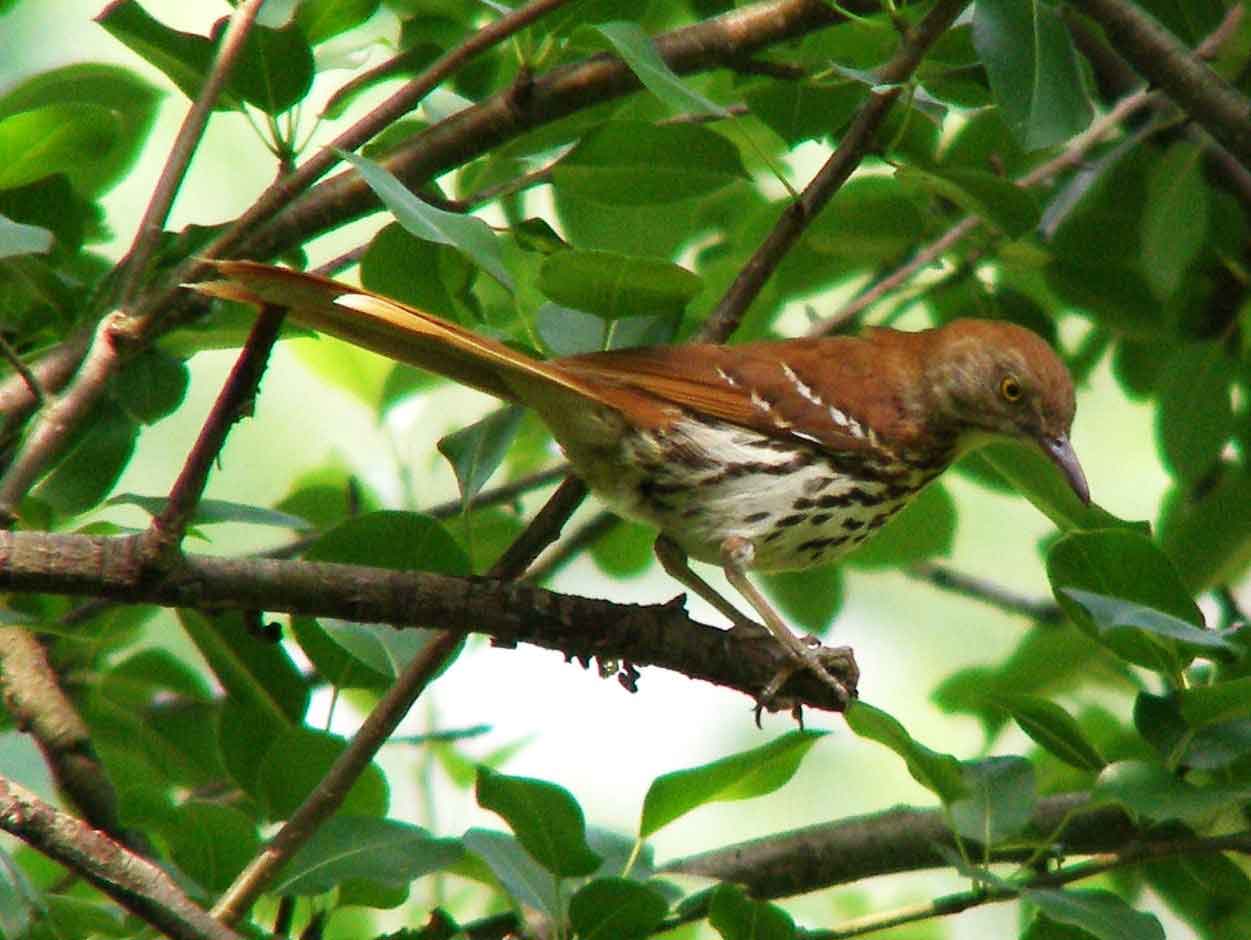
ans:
(133, 882)
(897, 840)
(838, 168)
(333, 788)
(38, 705)
(510, 612)
(185, 143)
(1157, 55)
(167, 530)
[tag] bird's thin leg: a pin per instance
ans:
(736, 555)
(674, 561)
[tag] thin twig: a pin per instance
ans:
(988, 592)
(58, 420)
(333, 788)
(998, 893)
(505, 493)
(32, 383)
(130, 880)
(168, 528)
(838, 168)
(586, 535)
(1072, 156)
(403, 101)
(185, 143)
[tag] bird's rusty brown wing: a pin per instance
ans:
(750, 385)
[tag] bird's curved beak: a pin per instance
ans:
(1061, 453)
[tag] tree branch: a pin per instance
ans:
(133, 882)
(185, 143)
(582, 628)
(1157, 55)
(838, 168)
(333, 788)
(35, 701)
(904, 839)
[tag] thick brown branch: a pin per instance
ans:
(897, 840)
(652, 635)
(133, 882)
(1156, 54)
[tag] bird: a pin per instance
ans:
(763, 456)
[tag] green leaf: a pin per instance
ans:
(295, 764)
(471, 235)
(19, 239)
(1052, 728)
(737, 777)
(1195, 416)
(1151, 791)
(255, 673)
(639, 53)
(525, 880)
(432, 277)
(810, 599)
(88, 472)
(1102, 914)
(275, 69)
(735, 916)
(925, 528)
(939, 773)
(151, 386)
(324, 19)
(545, 818)
(1175, 217)
(1115, 563)
(401, 541)
(185, 58)
(1226, 700)
(210, 842)
(121, 99)
(1112, 614)
(616, 909)
(56, 138)
(800, 110)
(613, 285)
(870, 221)
(364, 848)
(999, 800)
(1002, 203)
(568, 332)
(633, 163)
(477, 450)
(210, 511)
(625, 550)
(1033, 70)
(1207, 533)
(383, 649)
(1039, 481)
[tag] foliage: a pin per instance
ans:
(598, 214)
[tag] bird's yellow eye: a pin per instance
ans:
(1010, 388)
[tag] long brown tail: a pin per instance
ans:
(390, 328)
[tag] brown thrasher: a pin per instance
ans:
(763, 456)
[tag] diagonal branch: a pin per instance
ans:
(133, 882)
(1157, 55)
(185, 143)
(838, 168)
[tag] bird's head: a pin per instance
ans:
(990, 379)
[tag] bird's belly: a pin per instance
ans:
(798, 505)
